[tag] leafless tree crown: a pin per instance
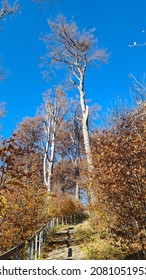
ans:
(67, 45)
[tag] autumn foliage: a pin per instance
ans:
(22, 196)
(25, 204)
(119, 180)
(53, 163)
(64, 205)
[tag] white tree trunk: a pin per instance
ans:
(44, 164)
(85, 115)
(51, 160)
(55, 110)
(46, 149)
(50, 164)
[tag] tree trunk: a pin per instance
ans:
(77, 190)
(85, 115)
(44, 165)
(50, 165)
(51, 160)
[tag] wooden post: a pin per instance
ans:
(32, 249)
(39, 249)
(57, 222)
(41, 238)
(71, 219)
(28, 250)
(18, 254)
(62, 221)
(74, 218)
(36, 246)
(51, 223)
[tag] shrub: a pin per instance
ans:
(103, 250)
(64, 205)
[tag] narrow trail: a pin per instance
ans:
(72, 253)
(67, 249)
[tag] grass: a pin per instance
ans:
(103, 250)
(95, 246)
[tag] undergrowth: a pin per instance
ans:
(95, 246)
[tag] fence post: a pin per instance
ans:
(43, 236)
(18, 254)
(51, 224)
(32, 249)
(74, 218)
(28, 250)
(39, 251)
(57, 221)
(71, 219)
(36, 246)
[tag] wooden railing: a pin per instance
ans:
(31, 248)
(15, 251)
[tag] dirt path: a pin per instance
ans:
(70, 251)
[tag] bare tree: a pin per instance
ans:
(8, 9)
(139, 89)
(68, 46)
(55, 111)
(73, 150)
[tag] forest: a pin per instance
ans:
(60, 162)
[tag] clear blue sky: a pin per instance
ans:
(118, 23)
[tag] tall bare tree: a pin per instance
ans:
(74, 149)
(76, 49)
(55, 111)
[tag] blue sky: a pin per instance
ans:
(118, 23)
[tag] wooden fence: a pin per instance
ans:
(30, 249)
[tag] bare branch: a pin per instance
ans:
(75, 49)
(139, 89)
(136, 81)
(73, 82)
(67, 45)
(7, 9)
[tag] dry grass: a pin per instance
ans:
(95, 247)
